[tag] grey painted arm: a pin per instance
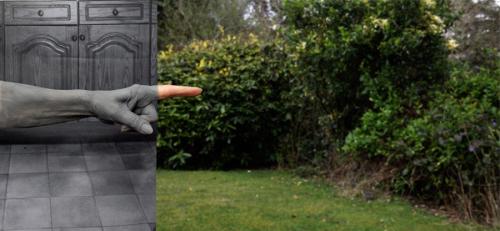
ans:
(24, 106)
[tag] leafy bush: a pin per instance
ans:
(240, 117)
(357, 56)
(377, 77)
(450, 153)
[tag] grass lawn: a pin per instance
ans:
(274, 200)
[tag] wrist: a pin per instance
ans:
(85, 97)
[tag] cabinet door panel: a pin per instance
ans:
(2, 73)
(42, 56)
(113, 56)
(1, 12)
(2, 56)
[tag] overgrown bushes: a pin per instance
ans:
(450, 153)
(346, 81)
(383, 56)
(240, 117)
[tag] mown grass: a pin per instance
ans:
(275, 200)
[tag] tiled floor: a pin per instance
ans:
(107, 186)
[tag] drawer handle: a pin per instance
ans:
(40, 13)
(115, 12)
(82, 37)
(74, 38)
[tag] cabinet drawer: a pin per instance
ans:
(40, 12)
(109, 12)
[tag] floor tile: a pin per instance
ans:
(28, 148)
(92, 185)
(104, 162)
(66, 163)
(141, 227)
(27, 213)
(2, 206)
(99, 149)
(144, 181)
(28, 163)
(5, 149)
(28, 185)
(3, 187)
(70, 184)
(139, 161)
(78, 229)
(111, 183)
(4, 163)
(136, 147)
(74, 212)
(65, 149)
(148, 203)
(120, 210)
(32, 230)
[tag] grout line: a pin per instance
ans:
(48, 183)
(142, 207)
(91, 187)
(6, 188)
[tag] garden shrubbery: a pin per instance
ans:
(384, 57)
(345, 81)
(241, 116)
(450, 152)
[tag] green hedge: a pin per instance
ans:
(239, 119)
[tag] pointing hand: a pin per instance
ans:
(134, 106)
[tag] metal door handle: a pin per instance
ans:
(74, 38)
(82, 37)
(40, 13)
(115, 12)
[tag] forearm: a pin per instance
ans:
(29, 106)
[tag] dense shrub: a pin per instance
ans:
(377, 74)
(450, 152)
(385, 56)
(239, 119)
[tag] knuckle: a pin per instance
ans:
(154, 117)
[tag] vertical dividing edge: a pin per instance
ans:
(154, 42)
(2, 43)
(153, 51)
(154, 12)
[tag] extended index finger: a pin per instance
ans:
(168, 91)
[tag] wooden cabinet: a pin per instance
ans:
(40, 12)
(94, 45)
(114, 56)
(42, 56)
(2, 33)
(115, 12)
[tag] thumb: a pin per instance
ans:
(134, 121)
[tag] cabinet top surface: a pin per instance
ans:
(71, 0)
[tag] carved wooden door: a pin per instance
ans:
(113, 56)
(42, 56)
